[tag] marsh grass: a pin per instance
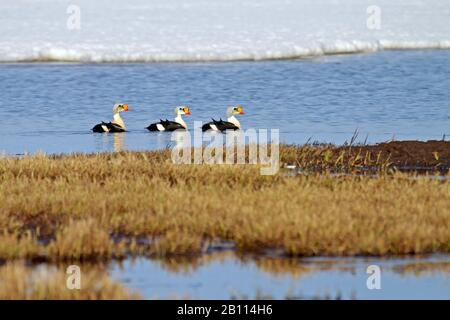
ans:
(104, 206)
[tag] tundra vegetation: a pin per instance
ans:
(338, 201)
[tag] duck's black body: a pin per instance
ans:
(165, 125)
(108, 127)
(220, 125)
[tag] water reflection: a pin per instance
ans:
(181, 139)
(420, 269)
(110, 142)
(118, 141)
(22, 281)
(224, 274)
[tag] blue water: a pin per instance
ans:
(395, 94)
(225, 277)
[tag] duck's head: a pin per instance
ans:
(236, 110)
(119, 107)
(182, 110)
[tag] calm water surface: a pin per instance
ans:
(401, 94)
(224, 276)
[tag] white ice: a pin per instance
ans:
(203, 30)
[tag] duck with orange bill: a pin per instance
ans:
(117, 124)
(232, 122)
(177, 124)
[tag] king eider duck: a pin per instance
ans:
(231, 124)
(117, 125)
(167, 125)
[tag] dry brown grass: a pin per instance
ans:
(83, 239)
(18, 282)
(84, 207)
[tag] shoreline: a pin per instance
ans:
(302, 57)
(409, 156)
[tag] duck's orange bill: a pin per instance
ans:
(125, 107)
(187, 111)
(242, 112)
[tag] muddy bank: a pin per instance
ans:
(419, 156)
(409, 153)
